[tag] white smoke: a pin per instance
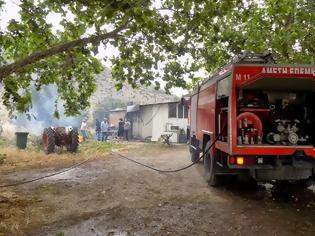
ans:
(7, 129)
(41, 114)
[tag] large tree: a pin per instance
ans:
(167, 39)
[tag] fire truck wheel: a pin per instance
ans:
(194, 155)
(48, 140)
(211, 168)
(74, 141)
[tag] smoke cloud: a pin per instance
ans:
(43, 106)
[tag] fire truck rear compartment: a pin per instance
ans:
(273, 113)
(270, 113)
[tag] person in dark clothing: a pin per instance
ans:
(98, 130)
(121, 124)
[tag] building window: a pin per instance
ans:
(180, 111)
(172, 110)
(185, 111)
(177, 111)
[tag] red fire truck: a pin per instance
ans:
(261, 116)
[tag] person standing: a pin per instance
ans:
(104, 129)
(121, 124)
(127, 127)
(83, 129)
(98, 130)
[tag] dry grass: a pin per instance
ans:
(34, 156)
(15, 208)
(99, 148)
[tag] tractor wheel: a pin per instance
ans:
(211, 168)
(48, 140)
(74, 141)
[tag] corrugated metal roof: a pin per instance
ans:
(133, 108)
(159, 103)
(117, 110)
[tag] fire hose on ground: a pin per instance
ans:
(176, 170)
(45, 176)
(122, 157)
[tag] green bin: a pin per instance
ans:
(21, 139)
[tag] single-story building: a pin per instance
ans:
(150, 121)
(115, 115)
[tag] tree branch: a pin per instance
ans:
(37, 56)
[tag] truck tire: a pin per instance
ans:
(74, 141)
(194, 155)
(211, 168)
(48, 140)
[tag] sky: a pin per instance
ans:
(11, 9)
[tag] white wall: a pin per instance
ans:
(142, 128)
(161, 119)
(151, 120)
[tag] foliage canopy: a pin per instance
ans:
(167, 39)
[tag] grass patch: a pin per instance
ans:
(6, 143)
(2, 158)
(60, 234)
(99, 148)
(34, 143)
(34, 157)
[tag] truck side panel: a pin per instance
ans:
(206, 112)
(193, 114)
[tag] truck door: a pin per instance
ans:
(222, 107)
(193, 114)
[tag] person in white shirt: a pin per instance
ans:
(104, 129)
(127, 127)
(83, 129)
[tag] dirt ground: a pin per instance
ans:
(111, 196)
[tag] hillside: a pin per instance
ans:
(144, 95)
(43, 106)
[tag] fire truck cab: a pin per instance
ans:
(261, 116)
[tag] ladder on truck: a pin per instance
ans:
(248, 58)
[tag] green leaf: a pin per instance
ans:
(153, 44)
